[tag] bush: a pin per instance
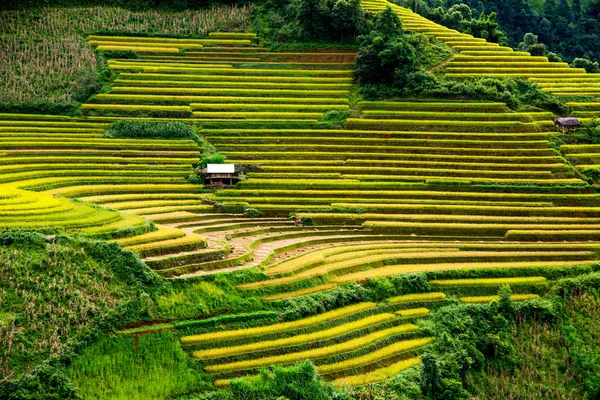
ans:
(531, 45)
(334, 119)
(42, 107)
(47, 382)
(553, 57)
(589, 66)
(211, 159)
(299, 382)
(304, 306)
(149, 130)
(124, 54)
(593, 174)
(589, 133)
(252, 213)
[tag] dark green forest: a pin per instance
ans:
(569, 29)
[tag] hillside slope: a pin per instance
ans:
(398, 208)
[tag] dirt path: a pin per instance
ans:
(262, 251)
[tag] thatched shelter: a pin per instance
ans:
(567, 123)
(223, 174)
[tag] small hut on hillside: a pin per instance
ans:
(220, 174)
(567, 124)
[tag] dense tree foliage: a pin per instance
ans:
(385, 55)
(311, 20)
(387, 66)
(569, 29)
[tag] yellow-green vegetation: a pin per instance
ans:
(528, 280)
(487, 299)
(386, 352)
(409, 298)
(378, 375)
(282, 327)
(294, 340)
(353, 228)
(315, 353)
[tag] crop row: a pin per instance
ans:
(133, 41)
(189, 242)
(232, 84)
(433, 105)
(104, 189)
(220, 78)
(447, 125)
(216, 100)
(232, 91)
(381, 354)
(478, 66)
(257, 115)
(232, 72)
(319, 256)
(299, 151)
(363, 260)
(392, 270)
(528, 280)
(342, 329)
(162, 233)
(377, 375)
(487, 299)
(320, 352)
(281, 327)
(463, 116)
(357, 133)
(416, 193)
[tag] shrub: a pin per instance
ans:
(149, 129)
(553, 57)
(592, 174)
(252, 213)
(212, 159)
(299, 382)
(531, 45)
(589, 133)
(125, 54)
(589, 66)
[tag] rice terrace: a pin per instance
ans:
(300, 199)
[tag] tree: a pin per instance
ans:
(387, 24)
(550, 7)
(347, 17)
(530, 44)
(594, 9)
(576, 9)
(563, 9)
(309, 15)
(384, 61)
(589, 65)
(545, 33)
(385, 55)
(486, 28)
(430, 375)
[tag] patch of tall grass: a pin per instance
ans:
(127, 367)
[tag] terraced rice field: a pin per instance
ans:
(476, 57)
(470, 194)
(583, 156)
(365, 333)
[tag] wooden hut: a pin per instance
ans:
(220, 174)
(567, 124)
